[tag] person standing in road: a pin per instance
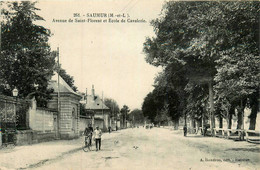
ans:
(97, 136)
(185, 130)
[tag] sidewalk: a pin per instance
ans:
(30, 156)
(21, 157)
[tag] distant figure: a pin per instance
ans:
(109, 129)
(185, 130)
(97, 135)
(116, 128)
(205, 130)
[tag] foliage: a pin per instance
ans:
(25, 53)
(151, 106)
(162, 116)
(136, 116)
(113, 106)
(197, 100)
(124, 112)
(209, 43)
(82, 109)
(63, 73)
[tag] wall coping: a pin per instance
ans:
(13, 99)
(47, 109)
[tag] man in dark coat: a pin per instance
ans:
(185, 130)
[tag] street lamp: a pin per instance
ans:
(15, 92)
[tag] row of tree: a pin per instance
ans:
(124, 115)
(209, 52)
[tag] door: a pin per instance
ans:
(55, 126)
(74, 120)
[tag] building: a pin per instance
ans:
(93, 103)
(68, 110)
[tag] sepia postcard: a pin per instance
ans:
(129, 85)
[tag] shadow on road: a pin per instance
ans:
(244, 149)
(107, 149)
(197, 136)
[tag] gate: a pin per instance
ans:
(8, 119)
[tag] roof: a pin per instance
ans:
(64, 87)
(95, 103)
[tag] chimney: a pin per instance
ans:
(93, 92)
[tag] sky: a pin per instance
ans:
(107, 55)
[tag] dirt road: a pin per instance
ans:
(160, 148)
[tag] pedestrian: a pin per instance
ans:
(97, 136)
(205, 130)
(109, 129)
(185, 130)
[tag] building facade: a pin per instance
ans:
(68, 108)
(101, 112)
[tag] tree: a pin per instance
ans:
(136, 116)
(238, 66)
(197, 102)
(197, 34)
(170, 88)
(113, 106)
(182, 40)
(163, 117)
(25, 61)
(124, 112)
(151, 106)
(66, 77)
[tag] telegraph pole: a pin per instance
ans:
(103, 112)
(58, 117)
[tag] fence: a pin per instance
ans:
(12, 117)
(252, 136)
(21, 122)
(238, 134)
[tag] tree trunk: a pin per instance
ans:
(240, 116)
(211, 105)
(202, 123)
(231, 112)
(176, 124)
(253, 116)
(192, 125)
(240, 121)
(220, 122)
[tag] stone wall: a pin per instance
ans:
(28, 137)
(41, 119)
